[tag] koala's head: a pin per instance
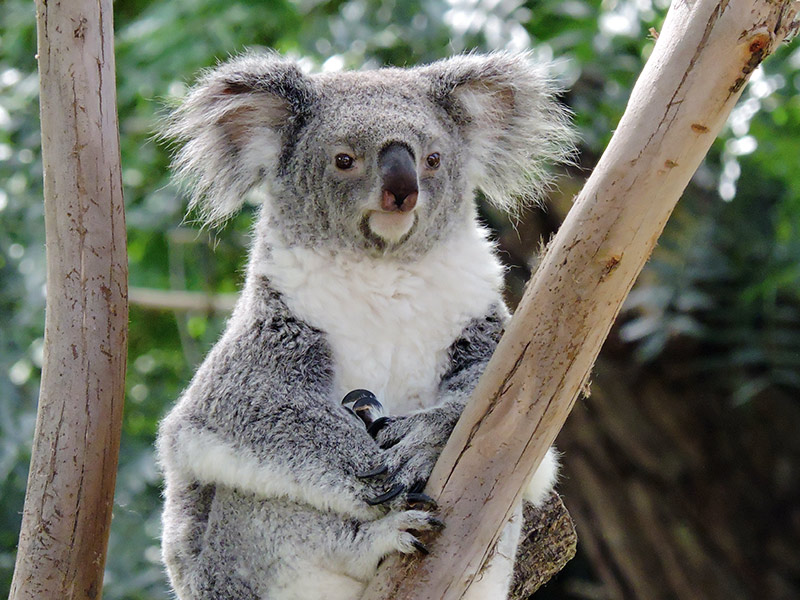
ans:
(384, 161)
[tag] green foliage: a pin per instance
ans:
(726, 281)
(21, 267)
(726, 273)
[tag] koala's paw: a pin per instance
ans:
(411, 446)
(399, 490)
(431, 428)
(373, 540)
(398, 531)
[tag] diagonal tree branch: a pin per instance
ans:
(700, 63)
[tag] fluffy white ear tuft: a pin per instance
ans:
(233, 126)
(506, 107)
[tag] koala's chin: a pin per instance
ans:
(392, 227)
(384, 231)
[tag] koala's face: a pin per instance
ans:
(378, 167)
(384, 162)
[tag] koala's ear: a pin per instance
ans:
(233, 124)
(505, 106)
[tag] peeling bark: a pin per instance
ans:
(68, 502)
(548, 543)
(700, 62)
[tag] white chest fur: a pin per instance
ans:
(390, 323)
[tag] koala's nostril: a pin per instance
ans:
(388, 201)
(401, 202)
(409, 202)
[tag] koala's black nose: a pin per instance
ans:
(399, 175)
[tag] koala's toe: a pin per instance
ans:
(419, 520)
(398, 531)
(411, 466)
(407, 543)
(390, 431)
(415, 521)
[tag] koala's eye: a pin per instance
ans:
(344, 161)
(433, 160)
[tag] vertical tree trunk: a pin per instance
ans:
(67, 512)
(703, 57)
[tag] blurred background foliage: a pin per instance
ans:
(720, 298)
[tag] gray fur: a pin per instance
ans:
(261, 462)
(258, 120)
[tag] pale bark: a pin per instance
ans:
(699, 65)
(181, 300)
(68, 503)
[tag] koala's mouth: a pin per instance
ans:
(384, 230)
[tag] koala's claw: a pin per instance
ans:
(375, 427)
(393, 492)
(376, 472)
(421, 501)
(421, 548)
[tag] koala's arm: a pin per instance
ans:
(259, 417)
(413, 443)
(469, 355)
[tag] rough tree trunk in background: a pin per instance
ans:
(70, 490)
(678, 495)
(698, 68)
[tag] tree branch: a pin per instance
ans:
(68, 502)
(182, 300)
(699, 65)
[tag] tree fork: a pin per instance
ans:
(701, 61)
(64, 534)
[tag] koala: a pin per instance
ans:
(368, 270)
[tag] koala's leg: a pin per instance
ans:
(543, 479)
(346, 554)
(183, 528)
(494, 580)
(256, 548)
